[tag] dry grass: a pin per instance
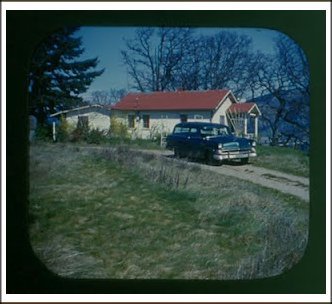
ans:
(282, 159)
(123, 214)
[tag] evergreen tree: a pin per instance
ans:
(57, 77)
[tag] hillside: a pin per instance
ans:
(119, 214)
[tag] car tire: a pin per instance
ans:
(244, 161)
(177, 153)
(210, 160)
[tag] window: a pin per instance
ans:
(83, 122)
(198, 117)
(183, 117)
(131, 121)
(146, 121)
(163, 116)
(222, 119)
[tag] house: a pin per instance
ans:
(96, 116)
(147, 114)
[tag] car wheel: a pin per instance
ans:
(177, 153)
(244, 161)
(210, 160)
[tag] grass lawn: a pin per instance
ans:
(121, 214)
(282, 159)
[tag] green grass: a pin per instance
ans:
(121, 214)
(282, 159)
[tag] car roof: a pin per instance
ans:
(198, 124)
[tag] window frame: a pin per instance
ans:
(184, 117)
(222, 119)
(146, 121)
(131, 121)
(198, 117)
(83, 121)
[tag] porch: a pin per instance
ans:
(243, 118)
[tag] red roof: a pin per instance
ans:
(179, 100)
(244, 107)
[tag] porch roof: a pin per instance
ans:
(245, 107)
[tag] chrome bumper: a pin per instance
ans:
(221, 155)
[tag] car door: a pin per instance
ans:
(180, 140)
(195, 143)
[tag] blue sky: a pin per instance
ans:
(106, 43)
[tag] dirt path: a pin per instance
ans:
(286, 183)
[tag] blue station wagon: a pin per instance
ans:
(209, 141)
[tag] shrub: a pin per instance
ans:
(64, 130)
(44, 133)
(96, 136)
(118, 129)
(76, 135)
(82, 130)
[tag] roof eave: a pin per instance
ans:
(184, 109)
(79, 108)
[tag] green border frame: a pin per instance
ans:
(25, 274)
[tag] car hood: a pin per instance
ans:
(230, 142)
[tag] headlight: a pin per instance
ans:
(219, 146)
(253, 144)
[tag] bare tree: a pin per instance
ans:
(188, 74)
(116, 94)
(153, 57)
(172, 58)
(100, 97)
(285, 78)
(104, 97)
(226, 62)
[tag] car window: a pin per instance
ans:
(193, 130)
(223, 131)
(178, 130)
(214, 131)
(208, 131)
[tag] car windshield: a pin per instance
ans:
(214, 131)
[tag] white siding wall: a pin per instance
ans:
(160, 121)
(122, 116)
(96, 119)
(164, 121)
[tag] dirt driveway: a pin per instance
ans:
(286, 183)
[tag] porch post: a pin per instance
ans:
(245, 124)
(54, 131)
(256, 126)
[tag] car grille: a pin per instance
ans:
(231, 146)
